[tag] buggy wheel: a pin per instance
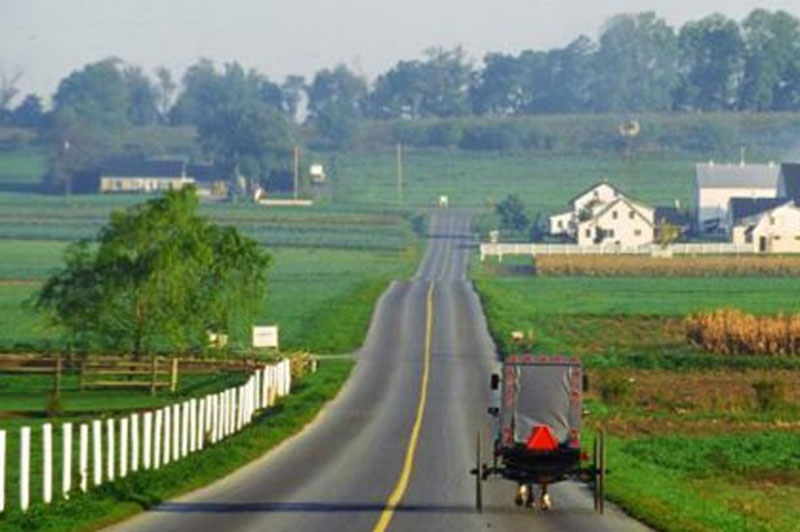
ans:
(599, 459)
(478, 476)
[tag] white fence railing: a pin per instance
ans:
(711, 248)
(165, 435)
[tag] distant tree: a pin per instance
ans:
(143, 97)
(294, 93)
(97, 94)
(8, 87)
(201, 92)
(771, 78)
(501, 87)
(336, 101)
(635, 65)
(29, 113)
(160, 278)
(711, 64)
(512, 213)
(165, 89)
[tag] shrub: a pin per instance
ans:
(770, 394)
(616, 389)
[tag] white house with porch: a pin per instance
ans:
(622, 222)
(582, 207)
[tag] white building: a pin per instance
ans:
(716, 184)
(622, 222)
(775, 230)
(583, 206)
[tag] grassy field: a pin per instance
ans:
(698, 442)
(545, 182)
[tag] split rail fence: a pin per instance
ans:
(112, 448)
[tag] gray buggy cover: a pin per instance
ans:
(541, 391)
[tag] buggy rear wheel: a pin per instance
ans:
(599, 460)
(478, 476)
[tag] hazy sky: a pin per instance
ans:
(50, 38)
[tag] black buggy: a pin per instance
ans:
(537, 441)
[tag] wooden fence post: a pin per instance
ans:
(83, 458)
(147, 451)
(123, 447)
(153, 375)
(157, 441)
(2, 471)
(97, 451)
(134, 442)
(110, 449)
(47, 463)
(66, 456)
(57, 377)
(24, 467)
(173, 375)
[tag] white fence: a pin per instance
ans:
(144, 440)
(712, 248)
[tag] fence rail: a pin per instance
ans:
(117, 447)
(712, 248)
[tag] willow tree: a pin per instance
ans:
(160, 277)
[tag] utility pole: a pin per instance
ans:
(399, 174)
(296, 169)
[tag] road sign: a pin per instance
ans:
(265, 336)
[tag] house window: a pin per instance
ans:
(638, 232)
(771, 220)
(630, 215)
(776, 237)
(596, 194)
(560, 224)
(611, 233)
(614, 215)
(588, 233)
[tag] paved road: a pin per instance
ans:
(393, 451)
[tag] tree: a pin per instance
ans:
(97, 94)
(771, 78)
(336, 100)
(165, 89)
(29, 113)
(143, 105)
(160, 278)
(711, 64)
(635, 65)
(294, 92)
(512, 213)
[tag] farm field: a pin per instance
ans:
(545, 182)
(697, 441)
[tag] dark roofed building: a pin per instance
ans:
(789, 182)
(741, 208)
(205, 173)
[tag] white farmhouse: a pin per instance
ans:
(716, 184)
(583, 206)
(622, 222)
(775, 230)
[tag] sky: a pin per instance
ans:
(47, 39)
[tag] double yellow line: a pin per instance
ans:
(408, 464)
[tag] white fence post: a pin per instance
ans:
(201, 423)
(66, 459)
(147, 451)
(123, 447)
(167, 433)
(2, 471)
(47, 463)
(239, 407)
(97, 451)
(24, 467)
(83, 458)
(264, 388)
(192, 425)
(134, 442)
(176, 432)
(111, 449)
(185, 429)
(157, 440)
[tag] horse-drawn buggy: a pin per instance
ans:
(537, 440)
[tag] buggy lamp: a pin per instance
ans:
(541, 439)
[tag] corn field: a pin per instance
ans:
(678, 266)
(733, 332)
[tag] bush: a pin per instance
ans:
(770, 394)
(616, 389)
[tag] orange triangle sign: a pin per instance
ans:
(541, 439)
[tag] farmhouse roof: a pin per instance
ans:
(204, 172)
(144, 168)
(790, 173)
(635, 205)
(672, 215)
(745, 207)
(589, 189)
(737, 176)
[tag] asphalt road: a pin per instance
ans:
(394, 450)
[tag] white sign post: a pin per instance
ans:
(265, 336)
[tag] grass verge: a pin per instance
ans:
(114, 502)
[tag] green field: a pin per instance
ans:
(683, 456)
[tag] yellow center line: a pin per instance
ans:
(408, 463)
